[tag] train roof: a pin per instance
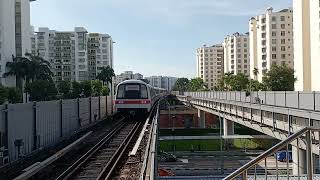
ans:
(135, 81)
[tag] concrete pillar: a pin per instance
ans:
(300, 165)
(228, 127)
(202, 119)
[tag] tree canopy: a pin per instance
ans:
(182, 84)
(106, 75)
(279, 78)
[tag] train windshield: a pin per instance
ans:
(132, 91)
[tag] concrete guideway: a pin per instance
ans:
(270, 119)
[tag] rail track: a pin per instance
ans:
(102, 159)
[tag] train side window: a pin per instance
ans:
(120, 93)
(144, 92)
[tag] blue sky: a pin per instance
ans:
(154, 37)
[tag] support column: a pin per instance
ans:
(202, 119)
(299, 160)
(228, 127)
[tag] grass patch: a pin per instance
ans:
(214, 144)
(241, 130)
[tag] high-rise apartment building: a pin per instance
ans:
(236, 54)
(271, 41)
(14, 33)
(65, 50)
(306, 25)
(126, 75)
(210, 64)
(100, 53)
(154, 81)
(73, 55)
(164, 82)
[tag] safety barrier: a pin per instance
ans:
(27, 127)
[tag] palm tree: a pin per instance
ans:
(106, 75)
(17, 68)
(38, 68)
(255, 73)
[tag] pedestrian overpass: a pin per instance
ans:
(292, 117)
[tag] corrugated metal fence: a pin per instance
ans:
(27, 127)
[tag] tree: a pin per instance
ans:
(10, 95)
(256, 86)
(64, 88)
(41, 90)
(3, 94)
(14, 95)
(38, 68)
(182, 84)
(77, 90)
(279, 78)
(197, 84)
(255, 72)
(87, 88)
(97, 88)
(106, 75)
(105, 91)
(239, 82)
(224, 84)
(18, 68)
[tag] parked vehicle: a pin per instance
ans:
(282, 156)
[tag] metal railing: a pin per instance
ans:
(149, 170)
(307, 137)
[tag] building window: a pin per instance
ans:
(274, 56)
(283, 48)
(283, 41)
(274, 41)
(283, 33)
(264, 57)
(282, 18)
(274, 18)
(263, 28)
(274, 48)
(274, 33)
(283, 56)
(263, 35)
(283, 26)
(274, 26)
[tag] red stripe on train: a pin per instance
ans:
(133, 102)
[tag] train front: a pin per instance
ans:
(132, 97)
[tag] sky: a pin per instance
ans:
(154, 37)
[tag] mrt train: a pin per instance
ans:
(136, 97)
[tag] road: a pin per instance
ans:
(216, 164)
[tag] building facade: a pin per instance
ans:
(271, 41)
(15, 33)
(126, 75)
(164, 82)
(100, 53)
(73, 55)
(210, 65)
(306, 20)
(236, 54)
